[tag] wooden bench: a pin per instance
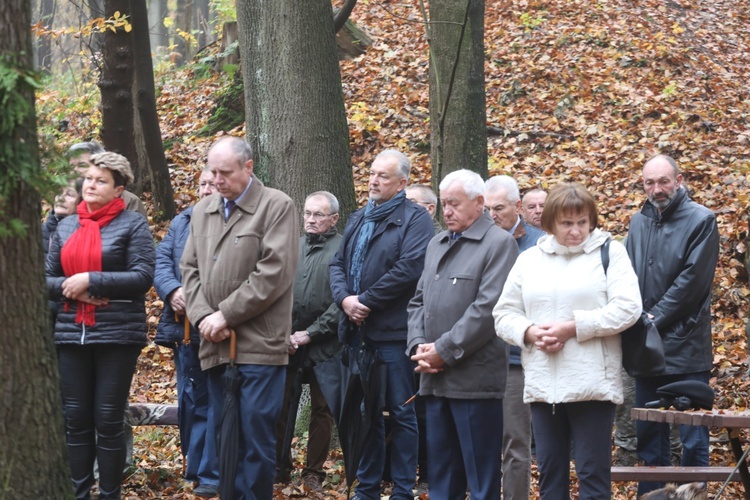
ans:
(733, 421)
(674, 474)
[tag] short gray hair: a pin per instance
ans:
(471, 182)
(333, 202)
(402, 162)
(534, 191)
(504, 183)
(242, 150)
(426, 192)
(91, 147)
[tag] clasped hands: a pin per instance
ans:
(214, 327)
(76, 287)
(298, 339)
(427, 358)
(550, 337)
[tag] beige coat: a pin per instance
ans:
(245, 268)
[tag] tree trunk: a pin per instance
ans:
(148, 139)
(97, 10)
(295, 114)
(184, 23)
(201, 23)
(33, 459)
(44, 43)
(130, 125)
(117, 83)
(157, 12)
(458, 128)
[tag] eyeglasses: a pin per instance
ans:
(315, 215)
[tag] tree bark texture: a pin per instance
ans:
(116, 83)
(149, 145)
(458, 125)
(202, 23)
(33, 458)
(295, 116)
(130, 124)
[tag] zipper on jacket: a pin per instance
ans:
(83, 332)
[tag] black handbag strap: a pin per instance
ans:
(605, 255)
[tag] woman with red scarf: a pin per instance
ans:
(100, 265)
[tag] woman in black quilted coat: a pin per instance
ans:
(100, 265)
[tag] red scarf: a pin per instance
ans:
(83, 250)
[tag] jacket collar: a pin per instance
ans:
(474, 232)
(649, 210)
(249, 203)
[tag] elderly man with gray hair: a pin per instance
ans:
(451, 337)
(503, 202)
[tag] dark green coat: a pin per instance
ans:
(314, 309)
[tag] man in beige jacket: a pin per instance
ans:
(238, 272)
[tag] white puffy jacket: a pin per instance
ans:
(551, 283)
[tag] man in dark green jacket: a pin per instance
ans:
(314, 347)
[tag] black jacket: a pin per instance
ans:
(127, 274)
(674, 254)
(393, 264)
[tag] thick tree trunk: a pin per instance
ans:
(157, 12)
(457, 98)
(33, 461)
(130, 125)
(148, 141)
(295, 113)
(116, 84)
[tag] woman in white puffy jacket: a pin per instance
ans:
(565, 312)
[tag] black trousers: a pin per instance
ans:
(95, 383)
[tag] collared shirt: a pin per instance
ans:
(515, 226)
(228, 208)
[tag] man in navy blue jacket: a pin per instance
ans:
(373, 277)
(198, 445)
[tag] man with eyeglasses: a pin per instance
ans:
(314, 347)
(425, 196)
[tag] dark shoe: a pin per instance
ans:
(312, 483)
(206, 491)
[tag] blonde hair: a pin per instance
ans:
(115, 163)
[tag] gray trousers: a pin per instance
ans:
(516, 438)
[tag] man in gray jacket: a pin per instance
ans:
(673, 244)
(452, 338)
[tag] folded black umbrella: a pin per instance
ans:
(229, 429)
(364, 401)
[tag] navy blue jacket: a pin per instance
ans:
(126, 275)
(168, 278)
(393, 264)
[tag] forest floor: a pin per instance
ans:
(584, 91)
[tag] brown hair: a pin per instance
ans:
(568, 198)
